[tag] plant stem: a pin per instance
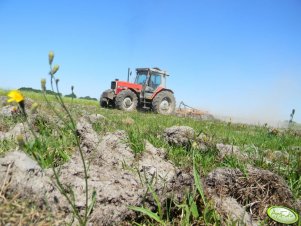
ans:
(80, 151)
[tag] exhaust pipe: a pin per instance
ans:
(129, 74)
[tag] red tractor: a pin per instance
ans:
(148, 91)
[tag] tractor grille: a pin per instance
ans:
(113, 85)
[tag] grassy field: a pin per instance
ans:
(258, 141)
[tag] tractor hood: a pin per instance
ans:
(121, 85)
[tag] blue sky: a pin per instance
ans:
(234, 57)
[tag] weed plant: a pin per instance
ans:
(52, 151)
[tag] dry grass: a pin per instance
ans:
(256, 191)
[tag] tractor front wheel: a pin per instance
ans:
(126, 100)
(164, 103)
(104, 102)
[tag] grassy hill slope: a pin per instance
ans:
(277, 150)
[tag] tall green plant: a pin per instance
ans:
(197, 180)
(69, 122)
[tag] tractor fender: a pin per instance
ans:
(118, 90)
(160, 90)
(135, 91)
(109, 94)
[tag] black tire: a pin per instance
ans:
(111, 104)
(104, 102)
(164, 103)
(126, 100)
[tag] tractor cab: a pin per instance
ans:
(151, 79)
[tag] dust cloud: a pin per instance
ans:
(271, 103)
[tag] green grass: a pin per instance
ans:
(254, 140)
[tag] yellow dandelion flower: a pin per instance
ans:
(15, 95)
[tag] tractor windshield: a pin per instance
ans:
(155, 81)
(141, 77)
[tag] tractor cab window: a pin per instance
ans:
(155, 81)
(141, 78)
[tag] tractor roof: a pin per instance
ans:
(154, 69)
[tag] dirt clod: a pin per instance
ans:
(3, 101)
(89, 138)
(168, 179)
(23, 176)
(228, 150)
(276, 156)
(118, 177)
(19, 129)
(179, 135)
(93, 118)
(234, 210)
(256, 191)
(8, 111)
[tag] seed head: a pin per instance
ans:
(20, 140)
(194, 145)
(43, 84)
(54, 69)
(34, 108)
(50, 57)
(14, 110)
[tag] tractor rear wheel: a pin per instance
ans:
(126, 100)
(164, 103)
